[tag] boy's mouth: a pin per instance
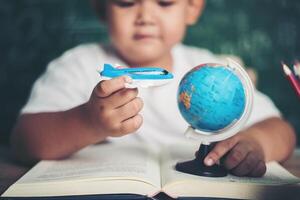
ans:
(143, 36)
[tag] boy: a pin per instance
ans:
(69, 108)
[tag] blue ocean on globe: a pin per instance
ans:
(211, 97)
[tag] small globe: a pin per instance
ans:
(211, 97)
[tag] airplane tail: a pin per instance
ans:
(108, 67)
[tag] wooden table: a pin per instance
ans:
(10, 172)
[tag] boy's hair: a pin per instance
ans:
(100, 8)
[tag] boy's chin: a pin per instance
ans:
(149, 52)
(144, 60)
(149, 45)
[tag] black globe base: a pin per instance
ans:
(197, 166)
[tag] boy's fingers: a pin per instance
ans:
(235, 156)
(259, 170)
(122, 97)
(246, 166)
(131, 125)
(220, 150)
(130, 109)
(107, 87)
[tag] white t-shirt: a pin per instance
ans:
(70, 79)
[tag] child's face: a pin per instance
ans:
(143, 31)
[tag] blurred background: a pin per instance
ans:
(261, 32)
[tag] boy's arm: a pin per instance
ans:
(276, 137)
(112, 110)
(246, 152)
(52, 135)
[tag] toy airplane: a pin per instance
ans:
(141, 76)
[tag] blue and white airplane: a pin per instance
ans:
(141, 76)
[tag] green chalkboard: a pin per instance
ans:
(261, 32)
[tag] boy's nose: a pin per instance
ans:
(145, 15)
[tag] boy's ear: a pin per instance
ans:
(194, 10)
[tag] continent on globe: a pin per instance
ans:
(185, 99)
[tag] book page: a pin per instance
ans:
(103, 161)
(275, 175)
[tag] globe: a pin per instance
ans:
(211, 97)
(216, 100)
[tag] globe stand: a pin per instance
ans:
(197, 166)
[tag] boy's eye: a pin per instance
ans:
(130, 3)
(124, 3)
(166, 3)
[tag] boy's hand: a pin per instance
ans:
(113, 109)
(243, 156)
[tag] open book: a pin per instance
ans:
(144, 170)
